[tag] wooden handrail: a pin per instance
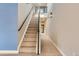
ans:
(25, 20)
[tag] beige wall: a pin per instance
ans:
(63, 28)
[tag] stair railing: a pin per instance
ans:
(38, 39)
(25, 19)
(23, 28)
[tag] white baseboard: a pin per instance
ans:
(9, 52)
(57, 47)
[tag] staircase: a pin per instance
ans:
(28, 46)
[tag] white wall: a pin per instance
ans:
(63, 28)
(23, 10)
(49, 6)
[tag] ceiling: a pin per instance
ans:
(40, 4)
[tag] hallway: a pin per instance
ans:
(46, 29)
(48, 49)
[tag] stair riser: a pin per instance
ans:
(31, 32)
(28, 50)
(29, 39)
(28, 44)
(27, 54)
(32, 26)
(33, 29)
(30, 36)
